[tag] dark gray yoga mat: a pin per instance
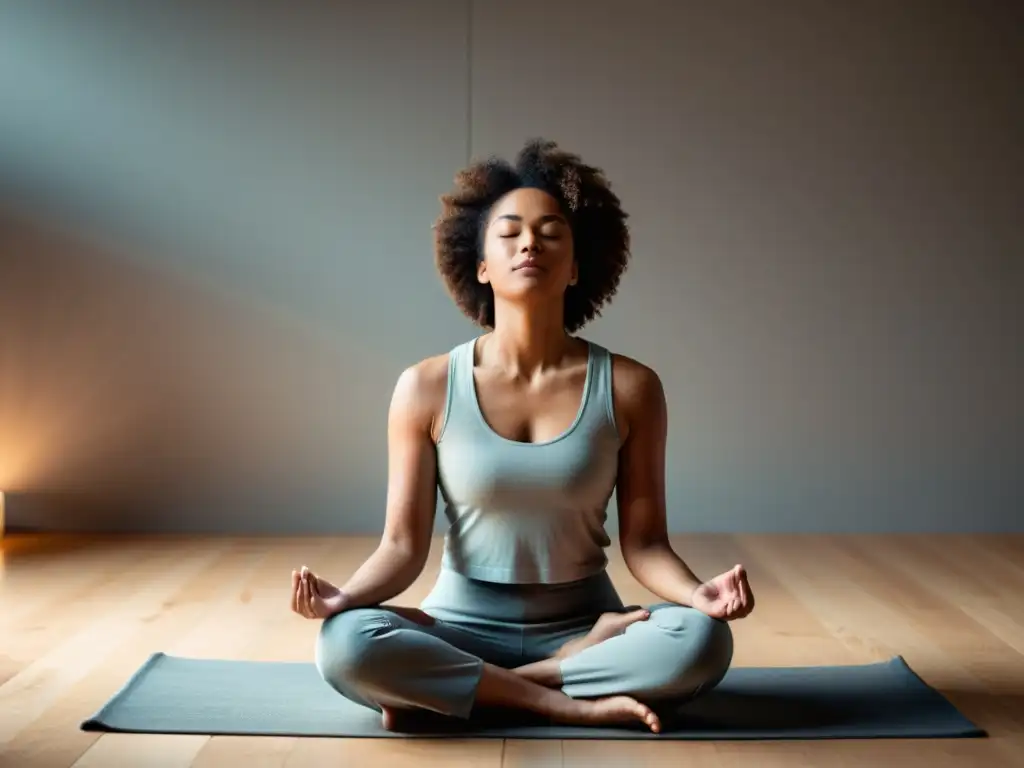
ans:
(170, 694)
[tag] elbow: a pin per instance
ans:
(637, 550)
(406, 552)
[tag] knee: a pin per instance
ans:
(349, 644)
(701, 649)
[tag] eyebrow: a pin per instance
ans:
(543, 219)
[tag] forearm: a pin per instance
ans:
(389, 571)
(658, 568)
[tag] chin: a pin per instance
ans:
(531, 292)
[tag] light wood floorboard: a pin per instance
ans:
(79, 614)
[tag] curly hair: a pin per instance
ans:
(597, 221)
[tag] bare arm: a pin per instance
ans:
(643, 530)
(412, 489)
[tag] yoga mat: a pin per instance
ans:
(170, 694)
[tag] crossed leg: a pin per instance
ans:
(398, 659)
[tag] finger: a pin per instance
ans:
(717, 610)
(295, 590)
(311, 593)
(744, 588)
(304, 596)
(302, 587)
(748, 604)
(313, 602)
(736, 574)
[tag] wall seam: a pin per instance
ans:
(469, 81)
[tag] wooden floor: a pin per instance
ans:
(78, 616)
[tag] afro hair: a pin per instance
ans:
(597, 221)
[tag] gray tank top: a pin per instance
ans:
(527, 512)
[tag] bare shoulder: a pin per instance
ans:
(420, 392)
(637, 391)
(633, 380)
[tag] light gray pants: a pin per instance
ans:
(379, 657)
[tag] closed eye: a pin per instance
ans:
(543, 234)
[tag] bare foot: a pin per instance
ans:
(412, 720)
(608, 625)
(504, 689)
(616, 710)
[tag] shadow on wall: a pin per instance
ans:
(134, 398)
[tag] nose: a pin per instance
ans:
(531, 243)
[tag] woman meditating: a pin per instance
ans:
(527, 430)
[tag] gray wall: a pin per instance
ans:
(215, 249)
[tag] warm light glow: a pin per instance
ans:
(3, 526)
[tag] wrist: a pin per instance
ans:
(339, 603)
(693, 594)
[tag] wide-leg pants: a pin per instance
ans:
(433, 659)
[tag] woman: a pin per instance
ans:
(527, 430)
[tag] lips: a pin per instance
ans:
(529, 263)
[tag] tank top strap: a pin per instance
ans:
(461, 388)
(601, 390)
(460, 371)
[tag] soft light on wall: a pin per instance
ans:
(3, 558)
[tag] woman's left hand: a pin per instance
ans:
(314, 597)
(727, 596)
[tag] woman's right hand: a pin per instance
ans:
(314, 597)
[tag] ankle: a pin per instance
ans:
(571, 648)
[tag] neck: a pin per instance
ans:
(526, 340)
